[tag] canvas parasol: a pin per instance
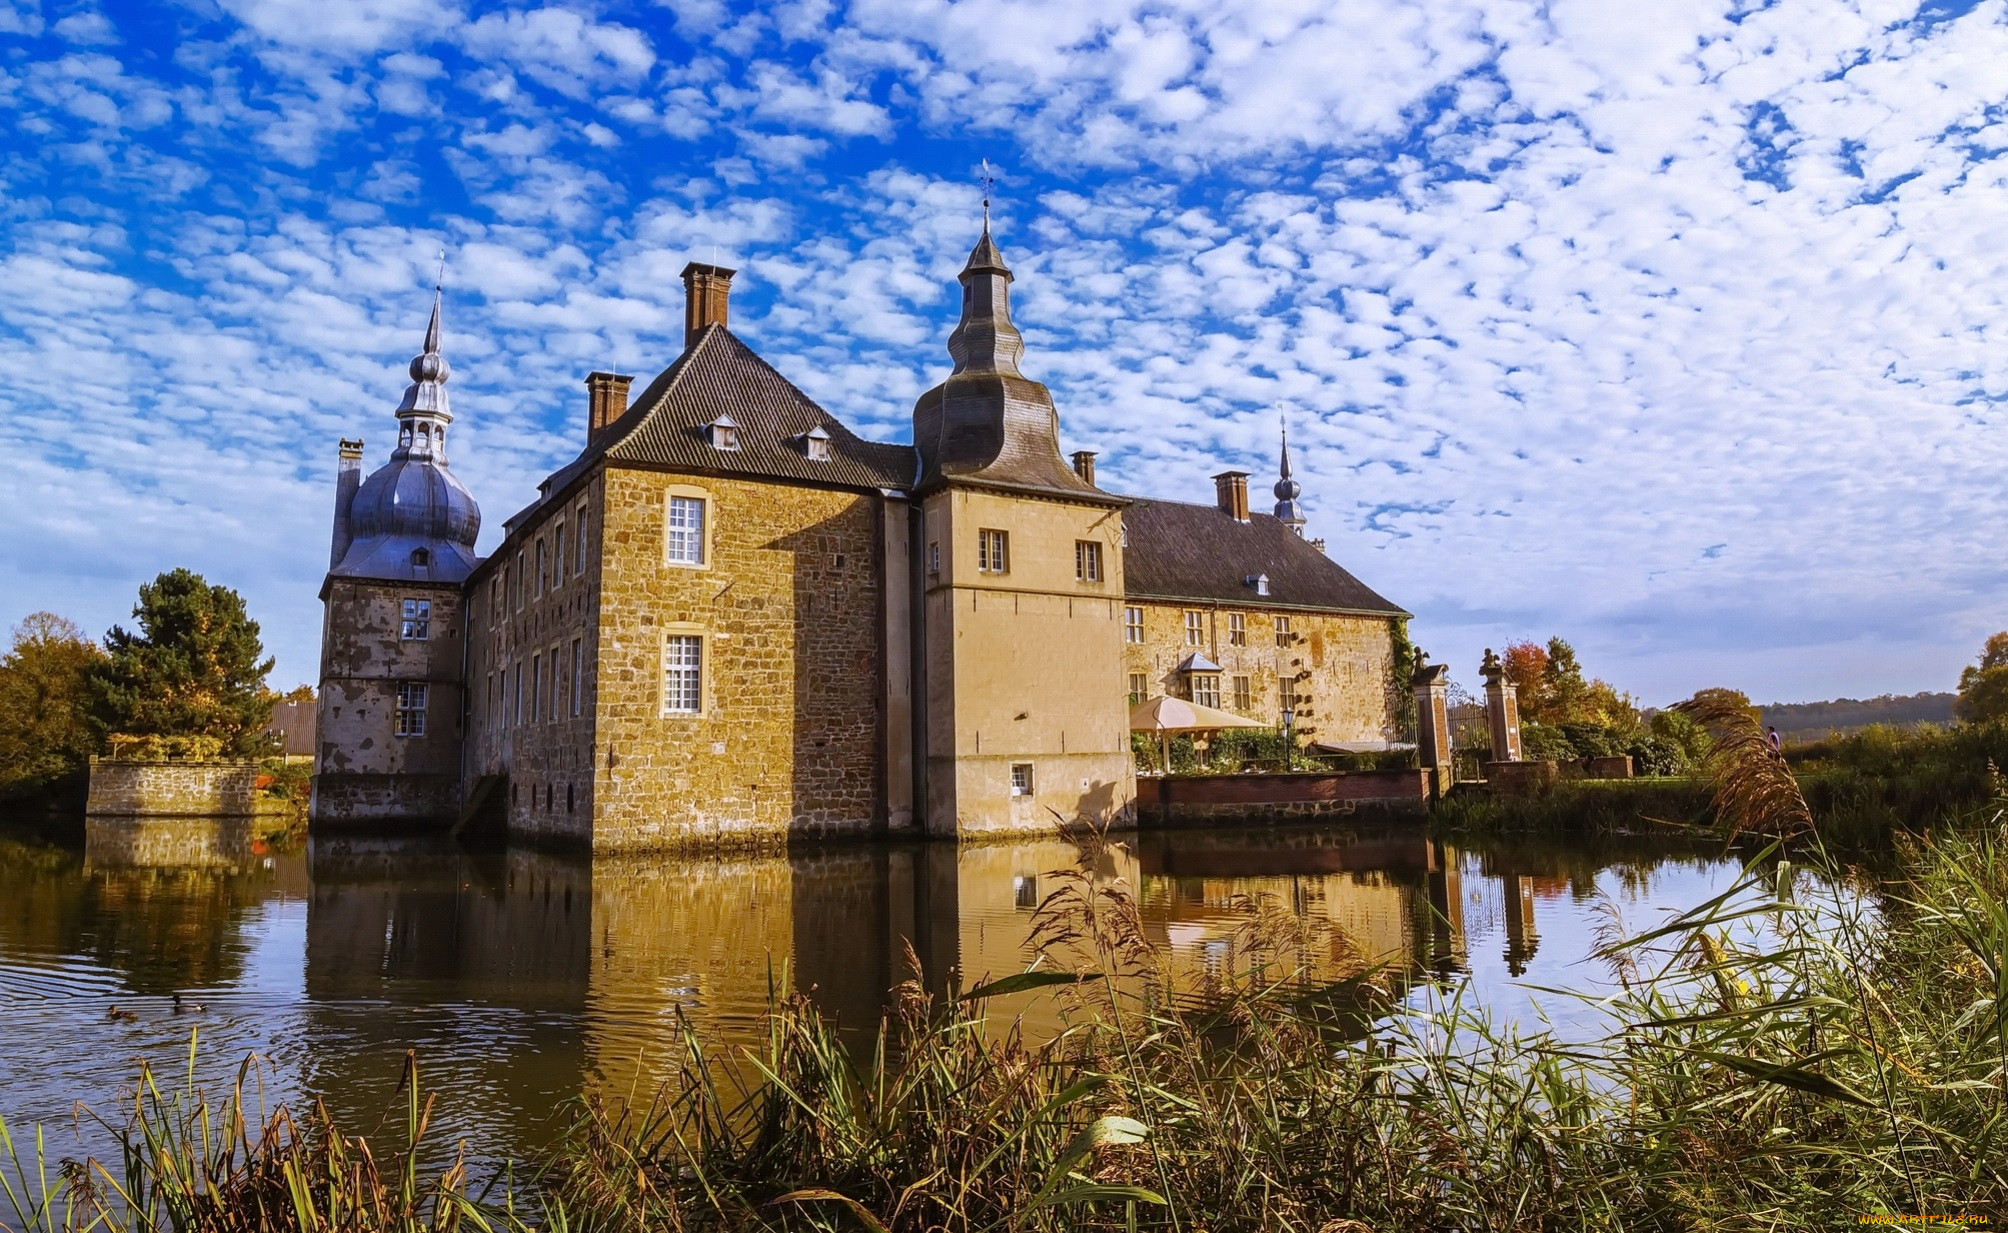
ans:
(1165, 716)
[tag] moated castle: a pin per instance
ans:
(731, 620)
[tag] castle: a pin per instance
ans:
(730, 620)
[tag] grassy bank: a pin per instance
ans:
(1780, 1058)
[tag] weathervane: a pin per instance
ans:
(440, 282)
(989, 182)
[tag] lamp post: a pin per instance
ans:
(1289, 737)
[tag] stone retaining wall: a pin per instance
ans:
(176, 789)
(1205, 800)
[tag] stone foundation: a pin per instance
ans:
(1519, 778)
(364, 801)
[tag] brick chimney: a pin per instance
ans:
(1230, 489)
(606, 401)
(706, 289)
(1084, 466)
(348, 478)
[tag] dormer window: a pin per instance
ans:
(1260, 582)
(816, 444)
(723, 433)
(421, 557)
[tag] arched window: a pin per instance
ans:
(421, 557)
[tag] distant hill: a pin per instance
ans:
(1808, 720)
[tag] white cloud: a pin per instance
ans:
(563, 50)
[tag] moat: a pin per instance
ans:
(525, 978)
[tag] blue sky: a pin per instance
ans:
(1676, 330)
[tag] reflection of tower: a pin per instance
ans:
(1521, 939)
(1446, 909)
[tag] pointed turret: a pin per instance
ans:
(411, 519)
(988, 423)
(1288, 511)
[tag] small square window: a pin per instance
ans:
(993, 552)
(1139, 687)
(409, 718)
(1087, 561)
(816, 444)
(417, 624)
(1021, 779)
(723, 433)
(1132, 624)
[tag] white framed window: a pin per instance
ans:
(1206, 689)
(1243, 694)
(543, 567)
(723, 433)
(558, 555)
(1132, 624)
(934, 558)
(417, 624)
(816, 444)
(579, 552)
(557, 694)
(1087, 561)
(578, 676)
(1237, 629)
(1195, 629)
(1283, 631)
(1021, 779)
(1139, 687)
(683, 536)
(683, 674)
(409, 719)
(993, 552)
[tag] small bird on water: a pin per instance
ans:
(121, 1016)
(180, 1006)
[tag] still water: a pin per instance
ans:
(526, 978)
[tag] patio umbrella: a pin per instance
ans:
(1165, 716)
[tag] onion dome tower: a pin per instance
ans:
(1288, 510)
(988, 423)
(412, 520)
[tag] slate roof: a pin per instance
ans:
(1197, 552)
(717, 375)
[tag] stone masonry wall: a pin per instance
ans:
(787, 603)
(170, 789)
(531, 714)
(364, 772)
(1347, 659)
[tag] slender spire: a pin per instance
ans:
(425, 412)
(1287, 490)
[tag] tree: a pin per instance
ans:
(45, 730)
(195, 668)
(1526, 665)
(1983, 689)
(1562, 684)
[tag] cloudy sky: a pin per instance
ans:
(1675, 329)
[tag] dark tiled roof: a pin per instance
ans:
(1181, 551)
(665, 425)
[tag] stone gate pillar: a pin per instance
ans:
(1431, 683)
(1502, 710)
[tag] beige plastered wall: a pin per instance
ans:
(1022, 666)
(363, 770)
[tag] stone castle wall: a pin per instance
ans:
(364, 772)
(125, 788)
(1344, 697)
(532, 714)
(788, 607)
